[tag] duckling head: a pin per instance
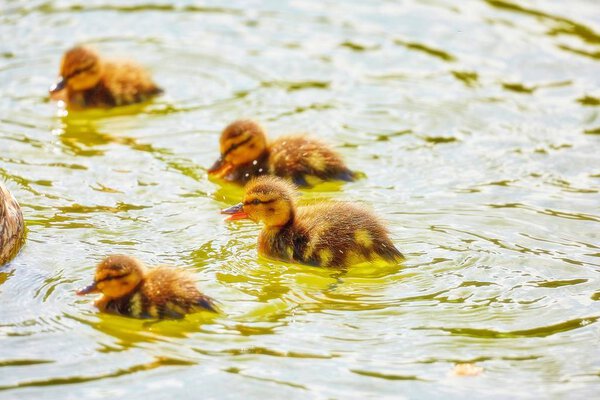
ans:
(242, 142)
(116, 276)
(81, 68)
(267, 199)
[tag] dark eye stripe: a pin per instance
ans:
(78, 71)
(257, 201)
(110, 278)
(236, 145)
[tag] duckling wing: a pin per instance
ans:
(128, 82)
(171, 293)
(297, 156)
(288, 244)
(341, 234)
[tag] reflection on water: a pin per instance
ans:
(475, 125)
(80, 137)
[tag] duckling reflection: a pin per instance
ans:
(326, 234)
(89, 81)
(129, 288)
(12, 226)
(245, 154)
(82, 137)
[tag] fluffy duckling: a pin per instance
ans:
(87, 81)
(327, 234)
(12, 227)
(246, 154)
(129, 288)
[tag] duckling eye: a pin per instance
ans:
(79, 70)
(255, 202)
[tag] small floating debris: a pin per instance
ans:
(466, 369)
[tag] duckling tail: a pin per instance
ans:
(300, 181)
(207, 303)
(391, 253)
(346, 175)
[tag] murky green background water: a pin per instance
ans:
(475, 121)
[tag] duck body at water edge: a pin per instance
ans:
(12, 226)
(89, 81)
(245, 154)
(131, 289)
(326, 234)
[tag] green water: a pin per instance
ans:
(475, 122)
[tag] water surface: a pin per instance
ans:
(476, 124)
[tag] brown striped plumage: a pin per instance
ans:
(12, 226)
(245, 154)
(88, 81)
(327, 234)
(129, 288)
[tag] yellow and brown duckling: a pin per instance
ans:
(245, 154)
(12, 227)
(327, 234)
(87, 81)
(129, 288)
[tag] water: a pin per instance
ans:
(475, 122)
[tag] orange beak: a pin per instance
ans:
(56, 89)
(235, 212)
(220, 168)
(88, 289)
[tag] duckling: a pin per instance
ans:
(327, 234)
(87, 81)
(12, 227)
(129, 288)
(246, 154)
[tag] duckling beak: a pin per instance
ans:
(88, 289)
(235, 212)
(220, 168)
(58, 86)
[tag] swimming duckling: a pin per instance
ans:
(327, 234)
(129, 288)
(246, 154)
(12, 227)
(87, 81)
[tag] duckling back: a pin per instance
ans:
(128, 82)
(298, 156)
(331, 234)
(164, 293)
(12, 226)
(342, 234)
